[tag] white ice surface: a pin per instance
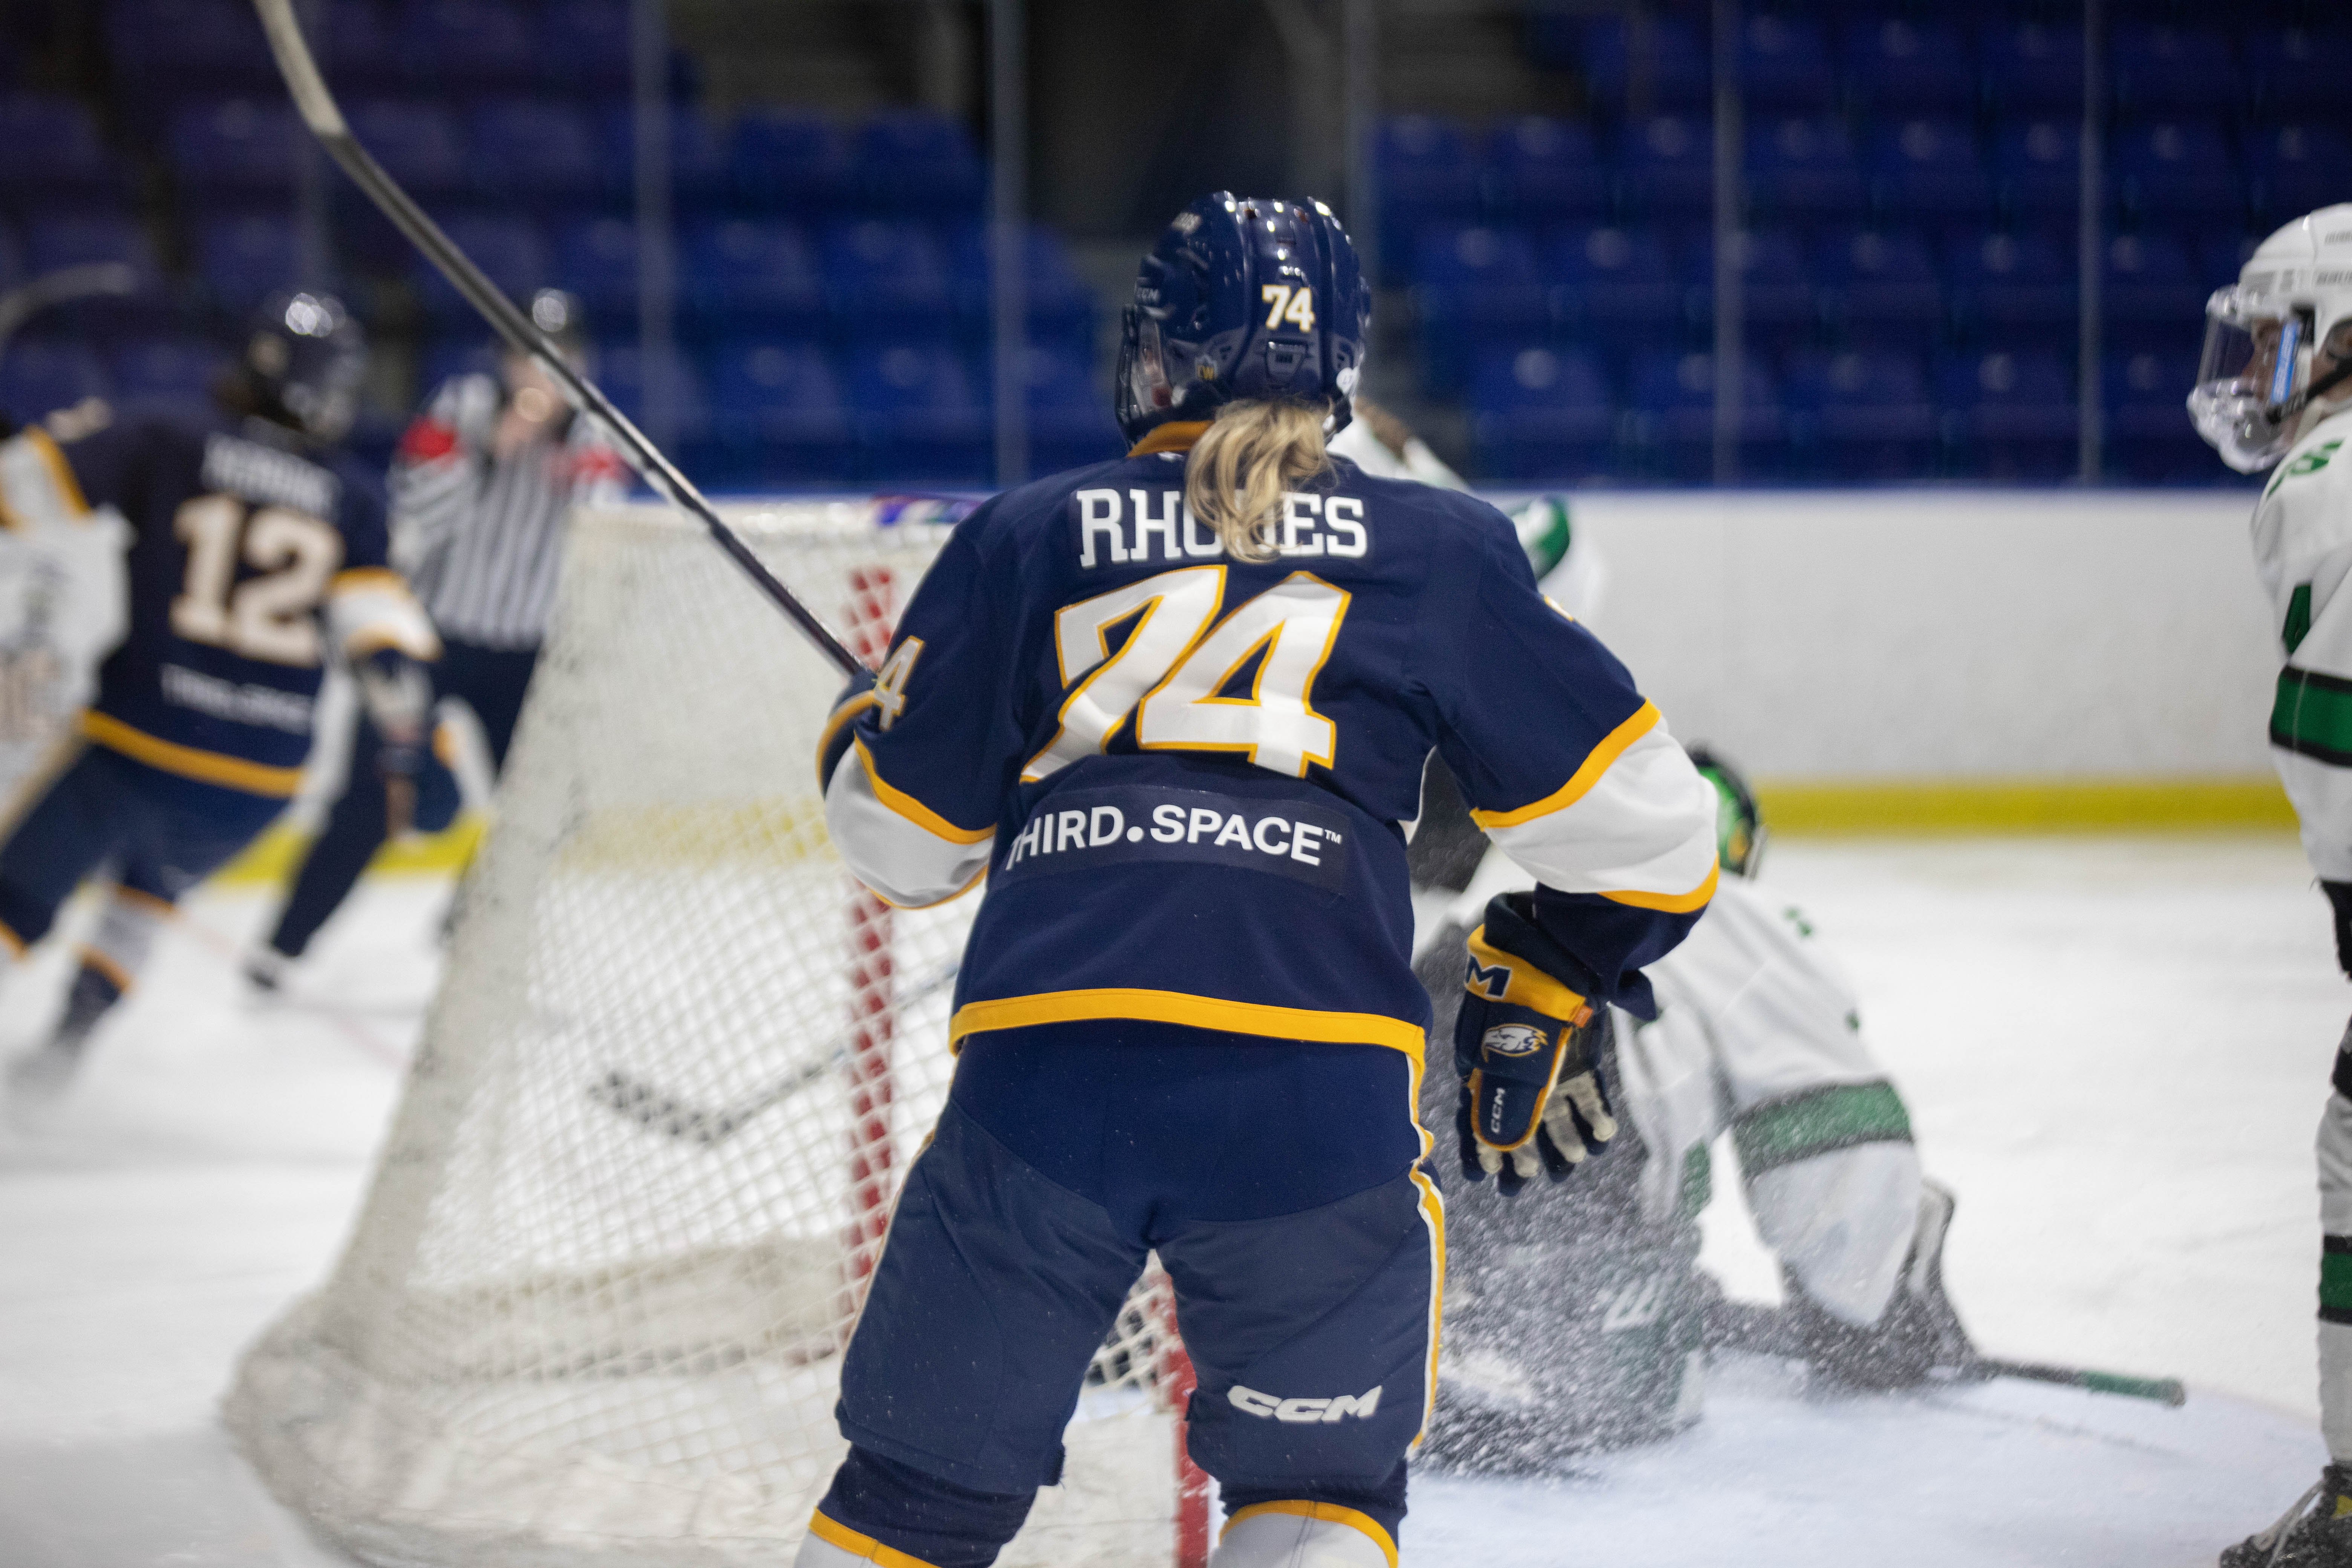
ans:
(2115, 1051)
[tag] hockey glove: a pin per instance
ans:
(1529, 1047)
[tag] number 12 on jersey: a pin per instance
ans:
(1169, 678)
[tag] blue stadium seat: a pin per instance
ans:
(240, 149)
(2182, 169)
(1675, 75)
(419, 144)
(11, 257)
(619, 367)
(1069, 416)
(2293, 169)
(159, 49)
(507, 249)
(1929, 170)
(2010, 416)
(755, 274)
(177, 370)
(699, 180)
(2221, 256)
(1882, 290)
(2034, 67)
(1805, 169)
(1541, 170)
(537, 153)
(790, 162)
(2039, 166)
(585, 46)
(2161, 70)
(1478, 286)
(73, 162)
(54, 240)
(1613, 286)
(1673, 418)
(596, 259)
(2296, 73)
(470, 46)
(1780, 309)
(1898, 67)
(246, 258)
(886, 279)
(782, 416)
(2011, 291)
(355, 46)
(1058, 308)
(468, 353)
(917, 416)
(918, 162)
(1666, 165)
(2153, 294)
(1784, 66)
(40, 376)
(1541, 414)
(2147, 435)
(1427, 176)
(1862, 415)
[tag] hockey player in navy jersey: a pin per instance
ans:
(254, 544)
(1175, 709)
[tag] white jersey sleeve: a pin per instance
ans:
(2302, 554)
(64, 603)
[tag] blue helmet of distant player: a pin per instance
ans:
(1242, 297)
(304, 359)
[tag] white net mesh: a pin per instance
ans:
(593, 1306)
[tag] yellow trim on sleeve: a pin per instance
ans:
(13, 943)
(374, 639)
(161, 908)
(60, 471)
(354, 577)
(1330, 1513)
(1670, 903)
(116, 975)
(914, 810)
(1596, 763)
(864, 1547)
(850, 708)
(1177, 436)
(935, 903)
(207, 767)
(1199, 1012)
(1524, 986)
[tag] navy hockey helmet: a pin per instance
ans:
(1738, 824)
(304, 359)
(1242, 297)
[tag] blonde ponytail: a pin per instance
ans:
(1251, 452)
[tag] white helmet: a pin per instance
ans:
(2261, 338)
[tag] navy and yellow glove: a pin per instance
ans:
(1529, 1047)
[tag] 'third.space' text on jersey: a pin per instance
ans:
(1188, 776)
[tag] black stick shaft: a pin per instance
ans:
(326, 122)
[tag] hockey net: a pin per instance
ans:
(593, 1306)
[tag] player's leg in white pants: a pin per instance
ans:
(1303, 1535)
(2336, 1276)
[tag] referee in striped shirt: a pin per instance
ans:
(481, 486)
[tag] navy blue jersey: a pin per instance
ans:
(249, 556)
(1189, 779)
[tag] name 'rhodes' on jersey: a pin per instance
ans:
(1190, 778)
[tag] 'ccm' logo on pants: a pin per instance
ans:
(1267, 1405)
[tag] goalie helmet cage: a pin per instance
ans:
(593, 1309)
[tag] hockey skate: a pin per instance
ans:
(2316, 1532)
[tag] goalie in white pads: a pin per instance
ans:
(1581, 1319)
(1175, 708)
(2274, 389)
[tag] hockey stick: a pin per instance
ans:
(650, 1106)
(89, 278)
(326, 122)
(1772, 1330)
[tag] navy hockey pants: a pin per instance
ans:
(489, 680)
(161, 834)
(1281, 1185)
